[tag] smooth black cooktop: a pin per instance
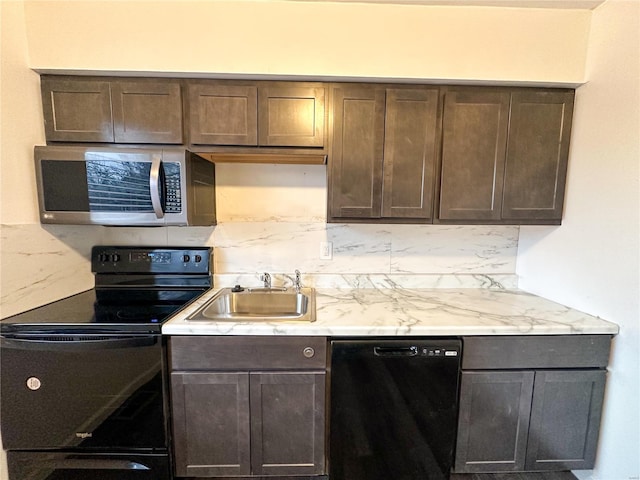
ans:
(94, 310)
(136, 289)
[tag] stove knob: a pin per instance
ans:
(186, 258)
(115, 257)
(197, 259)
(103, 257)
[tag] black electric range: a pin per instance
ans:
(84, 379)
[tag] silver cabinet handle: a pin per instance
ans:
(308, 352)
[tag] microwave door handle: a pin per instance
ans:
(154, 185)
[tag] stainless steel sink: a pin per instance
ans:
(259, 305)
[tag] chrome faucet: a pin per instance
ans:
(266, 278)
(297, 284)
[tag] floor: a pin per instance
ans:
(514, 476)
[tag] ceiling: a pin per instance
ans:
(566, 4)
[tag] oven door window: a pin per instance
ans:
(63, 466)
(75, 391)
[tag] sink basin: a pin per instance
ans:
(259, 305)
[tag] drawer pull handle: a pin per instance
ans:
(308, 352)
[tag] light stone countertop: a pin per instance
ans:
(412, 312)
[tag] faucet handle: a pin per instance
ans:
(266, 278)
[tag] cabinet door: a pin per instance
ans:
(537, 155)
(493, 421)
(565, 419)
(355, 170)
(211, 423)
(291, 116)
(147, 111)
(288, 423)
(222, 114)
(76, 110)
(409, 153)
(474, 141)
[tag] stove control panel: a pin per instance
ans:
(178, 260)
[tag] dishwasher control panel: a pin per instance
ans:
(439, 352)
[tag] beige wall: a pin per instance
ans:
(310, 39)
(592, 262)
(21, 124)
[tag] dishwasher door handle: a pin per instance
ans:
(411, 351)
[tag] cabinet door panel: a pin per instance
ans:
(223, 114)
(291, 116)
(211, 423)
(147, 112)
(355, 183)
(77, 110)
(537, 155)
(493, 421)
(565, 419)
(475, 128)
(287, 423)
(409, 153)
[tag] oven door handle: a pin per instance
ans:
(93, 464)
(75, 342)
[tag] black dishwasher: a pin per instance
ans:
(393, 408)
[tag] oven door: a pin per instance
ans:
(82, 390)
(73, 466)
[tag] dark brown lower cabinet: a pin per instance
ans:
(287, 423)
(211, 423)
(565, 419)
(493, 421)
(248, 407)
(529, 420)
(248, 423)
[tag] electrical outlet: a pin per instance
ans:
(326, 250)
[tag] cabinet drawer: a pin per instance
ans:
(252, 353)
(561, 351)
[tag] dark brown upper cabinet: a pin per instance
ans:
(537, 155)
(146, 111)
(504, 155)
(291, 116)
(76, 110)
(223, 114)
(257, 114)
(112, 110)
(383, 153)
(474, 139)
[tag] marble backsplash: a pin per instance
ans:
(40, 263)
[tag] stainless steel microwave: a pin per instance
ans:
(114, 186)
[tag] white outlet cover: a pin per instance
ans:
(326, 250)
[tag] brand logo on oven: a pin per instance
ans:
(84, 434)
